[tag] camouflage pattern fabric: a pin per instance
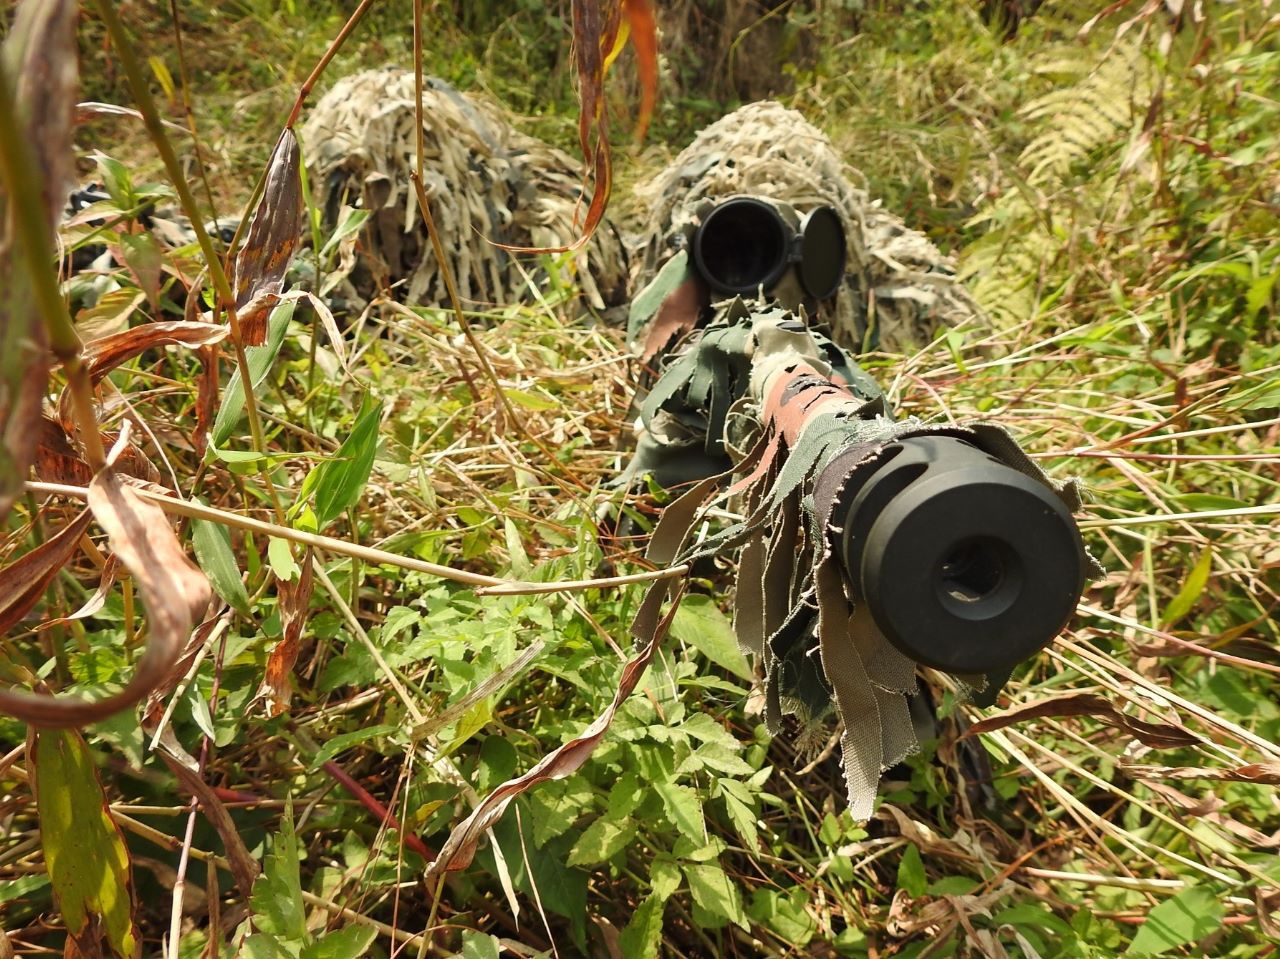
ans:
(489, 184)
(790, 421)
(899, 289)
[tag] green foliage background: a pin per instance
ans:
(1112, 193)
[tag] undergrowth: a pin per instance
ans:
(1112, 193)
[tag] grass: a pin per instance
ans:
(1133, 277)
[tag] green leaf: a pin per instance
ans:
(345, 741)
(911, 877)
(349, 221)
(700, 623)
(1186, 918)
(212, 543)
(349, 943)
(259, 359)
(23, 886)
(684, 808)
(643, 934)
(280, 559)
(785, 914)
(712, 890)
(278, 909)
(1191, 590)
(340, 480)
(479, 945)
(603, 840)
(84, 852)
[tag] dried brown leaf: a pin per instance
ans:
(107, 579)
(40, 54)
(24, 581)
(173, 590)
(460, 848)
(1264, 773)
(294, 600)
(57, 461)
(243, 866)
(1155, 735)
(644, 40)
(105, 354)
(270, 242)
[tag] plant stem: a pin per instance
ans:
(20, 175)
(217, 274)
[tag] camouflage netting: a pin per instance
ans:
(488, 184)
(898, 284)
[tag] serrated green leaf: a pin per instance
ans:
(601, 841)
(84, 852)
(700, 623)
(212, 544)
(1188, 917)
(785, 914)
(643, 934)
(340, 480)
(684, 808)
(277, 904)
(712, 890)
(259, 359)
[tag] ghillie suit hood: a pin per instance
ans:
(899, 288)
(489, 184)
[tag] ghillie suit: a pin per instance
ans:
(489, 184)
(898, 290)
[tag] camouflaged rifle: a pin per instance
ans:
(867, 546)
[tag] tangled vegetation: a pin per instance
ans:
(1110, 182)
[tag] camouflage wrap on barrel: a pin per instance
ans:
(773, 421)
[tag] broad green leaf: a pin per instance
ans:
(714, 892)
(84, 852)
(280, 558)
(911, 877)
(339, 481)
(1188, 917)
(212, 543)
(23, 886)
(741, 813)
(700, 623)
(664, 877)
(684, 808)
(259, 359)
(1191, 590)
(353, 942)
(345, 741)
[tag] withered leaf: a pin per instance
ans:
(24, 581)
(106, 353)
(173, 590)
(1155, 735)
(57, 461)
(1264, 773)
(460, 848)
(40, 55)
(110, 573)
(294, 600)
(270, 242)
(644, 40)
(243, 866)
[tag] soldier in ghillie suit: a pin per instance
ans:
(490, 186)
(897, 290)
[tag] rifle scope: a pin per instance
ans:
(967, 565)
(744, 244)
